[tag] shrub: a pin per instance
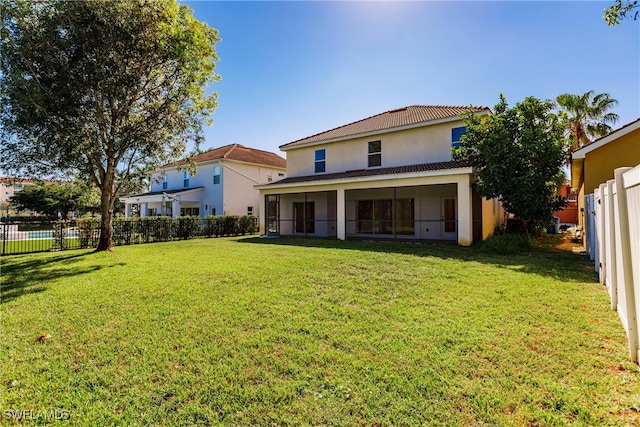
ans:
(123, 231)
(230, 225)
(247, 224)
(186, 227)
(507, 243)
(212, 226)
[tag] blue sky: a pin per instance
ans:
(293, 69)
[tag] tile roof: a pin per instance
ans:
(240, 153)
(362, 173)
(160, 192)
(411, 115)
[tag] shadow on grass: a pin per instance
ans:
(543, 261)
(29, 275)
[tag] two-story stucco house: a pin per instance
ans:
(387, 176)
(222, 185)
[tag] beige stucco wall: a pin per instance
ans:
(406, 147)
(238, 180)
(492, 216)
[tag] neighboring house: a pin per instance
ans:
(594, 164)
(387, 176)
(222, 185)
(9, 187)
(568, 214)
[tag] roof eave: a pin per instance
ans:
(295, 145)
(369, 178)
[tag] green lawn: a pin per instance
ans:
(252, 331)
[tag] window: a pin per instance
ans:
(304, 217)
(375, 154)
(280, 174)
(456, 133)
(320, 161)
(185, 176)
(165, 183)
(377, 217)
(216, 175)
(270, 177)
(249, 210)
(18, 187)
(189, 211)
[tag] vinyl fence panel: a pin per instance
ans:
(599, 212)
(626, 294)
(631, 188)
(610, 240)
(590, 236)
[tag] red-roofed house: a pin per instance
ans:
(387, 176)
(222, 185)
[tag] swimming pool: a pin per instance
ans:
(47, 234)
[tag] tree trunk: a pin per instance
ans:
(107, 199)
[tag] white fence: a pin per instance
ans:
(615, 247)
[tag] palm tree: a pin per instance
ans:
(588, 116)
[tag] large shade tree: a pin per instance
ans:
(93, 88)
(518, 154)
(588, 116)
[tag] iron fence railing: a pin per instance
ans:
(17, 237)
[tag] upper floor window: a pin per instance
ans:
(165, 183)
(280, 174)
(17, 187)
(375, 154)
(249, 210)
(216, 175)
(185, 176)
(320, 161)
(456, 133)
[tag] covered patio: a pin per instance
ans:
(172, 203)
(410, 203)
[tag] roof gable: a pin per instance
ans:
(413, 115)
(238, 153)
(618, 133)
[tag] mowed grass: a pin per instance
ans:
(309, 332)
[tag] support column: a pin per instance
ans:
(262, 214)
(465, 213)
(175, 208)
(144, 209)
(341, 214)
(127, 210)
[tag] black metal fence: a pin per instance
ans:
(18, 237)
